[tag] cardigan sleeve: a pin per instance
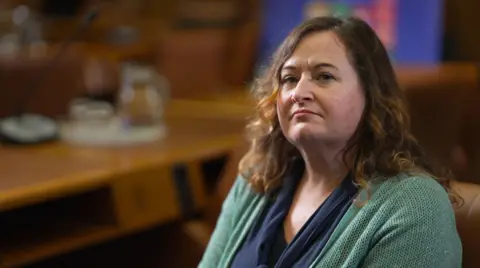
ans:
(224, 227)
(420, 231)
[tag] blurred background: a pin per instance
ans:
(146, 102)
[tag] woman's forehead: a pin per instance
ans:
(322, 48)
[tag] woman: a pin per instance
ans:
(334, 177)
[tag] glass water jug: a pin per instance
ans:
(142, 97)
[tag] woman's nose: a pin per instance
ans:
(303, 91)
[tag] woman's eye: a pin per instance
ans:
(324, 77)
(289, 80)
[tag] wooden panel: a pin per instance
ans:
(159, 9)
(76, 239)
(451, 75)
(243, 45)
(49, 94)
(194, 70)
(36, 232)
(460, 18)
(145, 197)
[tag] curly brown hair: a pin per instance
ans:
(382, 143)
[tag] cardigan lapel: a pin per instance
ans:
(362, 197)
(242, 228)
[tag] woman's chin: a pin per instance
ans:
(305, 134)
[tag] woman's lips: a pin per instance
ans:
(303, 112)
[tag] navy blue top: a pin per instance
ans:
(265, 246)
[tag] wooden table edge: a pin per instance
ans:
(95, 179)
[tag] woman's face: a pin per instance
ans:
(320, 97)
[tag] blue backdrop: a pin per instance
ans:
(419, 28)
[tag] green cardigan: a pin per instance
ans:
(408, 222)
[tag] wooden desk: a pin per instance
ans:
(57, 198)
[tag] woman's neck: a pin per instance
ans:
(325, 168)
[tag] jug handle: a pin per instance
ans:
(164, 86)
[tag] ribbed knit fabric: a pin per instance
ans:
(408, 222)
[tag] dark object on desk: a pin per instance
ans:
(24, 128)
(61, 8)
(209, 14)
(123, 35)
(107, 95)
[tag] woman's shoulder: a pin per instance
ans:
(410, 214)
(412, 192)
(413, 186)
